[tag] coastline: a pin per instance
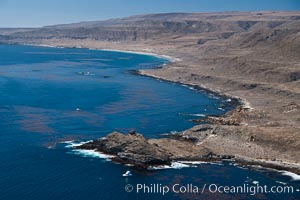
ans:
(243, 102)
(171, 59)
(166, 57)
(238, 101)
(245, 163)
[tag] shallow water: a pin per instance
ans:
(51, 95)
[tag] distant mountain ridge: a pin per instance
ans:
(156, 26)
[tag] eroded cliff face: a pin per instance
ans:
(196, 27)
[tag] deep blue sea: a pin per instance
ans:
(51, 96)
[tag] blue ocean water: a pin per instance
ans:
(52, 95)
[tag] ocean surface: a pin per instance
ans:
(53, 98)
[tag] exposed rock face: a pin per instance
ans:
(205, 142)
(135, 149)
(130, 148)
(236, 117)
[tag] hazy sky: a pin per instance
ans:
(33, 13)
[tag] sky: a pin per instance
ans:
(36, 13)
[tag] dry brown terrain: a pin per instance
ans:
(254, 56)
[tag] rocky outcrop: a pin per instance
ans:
(130, 148)
(220, 120)
(205, 142)
(235, 117)
(133, 148)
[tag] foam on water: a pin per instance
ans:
(72, 143)
(180, 165)
(91, 154)
(197, 115)
(282, 183)
(189, 87)
(194, 114)
(295, 177)
(194, 162)
(85, 152)
(174, 165)
(255, 182)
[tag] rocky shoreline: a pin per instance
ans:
(199, 143)
(236, 135)
(232, 137)
(134, 150)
